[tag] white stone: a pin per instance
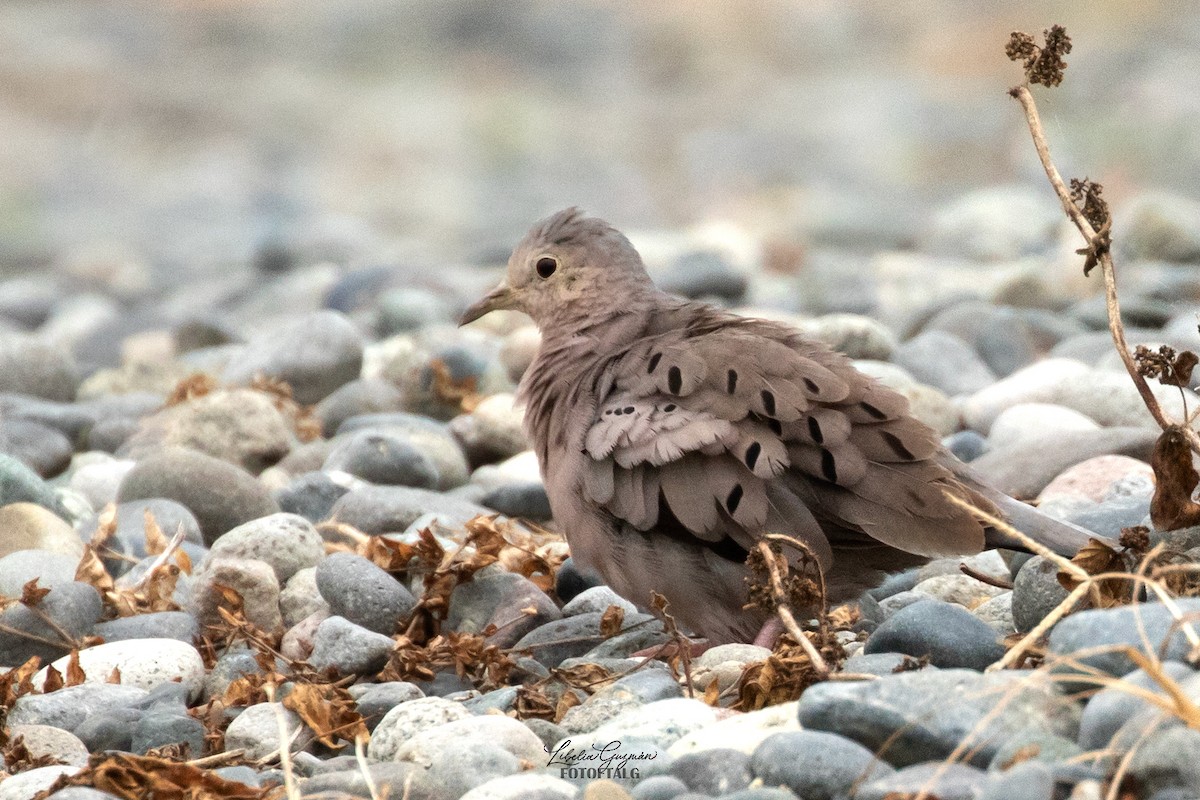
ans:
(144, 663)
(256, 730)
(1035, 420)
(522, 786)
(743, 732)
(409, 719)
(24, 785)
(495, 729)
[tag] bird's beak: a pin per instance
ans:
(496, 299)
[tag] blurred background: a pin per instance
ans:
(150, 145)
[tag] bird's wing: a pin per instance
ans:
(726, 427)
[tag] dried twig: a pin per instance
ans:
(776, 568)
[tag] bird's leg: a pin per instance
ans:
(769, 633)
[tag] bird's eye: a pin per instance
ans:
(546, 266)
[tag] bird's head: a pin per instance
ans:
(563, 270)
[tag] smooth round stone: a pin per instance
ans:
(570, 637)
(306, 457)
(663, 722)
(43, 740)
(714, 772)
(880, 664)
(432, 388)
(26, 785)
(1112, 516)
(455, 771)
(463, 734)
(960, 589)
(893, 603)
(944, 361)
(999, 223)
(385, 509)
(69, 706)
(99, 481)
(501, 599)
(597, 598)
(28, 526)
(363, 593)
(518, 350)
(966, 446)
(311, 495)
(387, 781)
(520, 501)
(178, 625)
(658, 787)
(493, 431)
(1029, 780)
(236, 662)
(523, 786)
(1161, 226)
(160, 728)
(894, 584)
(314, 354)
(20, 484)
(1096, 477)
(1032, 743)
(703, 274)
(219, 494)
(571, 581)
(168, 515)
(925, 715)
(300, 598)
(1025, 468)
(374, 700)
(948, 634)
(814, 764)
(1110, 708)
(1108, 398)
(297, 641)
(144, 663)
(1036, 592)
(75, 607)
(1036, 421)
(43, 449)
(430, 436)
(408, 720)
(348, 648)
(50, 569)
(997, 614)
(382, 458)
(256, 730)
(254, 580)
(360, 396)
(1167, 760)
(109, 729)
(37, 368)
(288, 542)
(725, 664)
(944, 781)
(855, 335)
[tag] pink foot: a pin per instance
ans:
(769, 633)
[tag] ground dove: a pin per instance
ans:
(672, 435)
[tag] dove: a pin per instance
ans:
(673, 435)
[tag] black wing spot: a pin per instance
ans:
(776, 426)
(731, 381)
(653, 365)
(872, 410)
(669, 407)
(828, 466)
(812, 386)
(752, 454)
(893, 441)
(674, 380)
(814, 430)
(768, 401)
(734, 499)
(629, 409)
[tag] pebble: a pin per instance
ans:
(930, 712)
(1113, 706)
(527, 500)
(31, 366)
(161, 728)
(301, 598)
(1095, 478)
(28, 526)
(20, 484)
(144, 663)
(43, 449)
(169, 515)
(493, 431)
(75, 607)
(815, 764)
(288, 542)
(46, 740)
(374, 700)
(50, 569)
(385, 509)
(240, 426)
(311, 495)
(468, 733)
(997, 613)
(944, 781)
(409, 719)
(524, 786)
(252, 579)
(348, 648)
(662, 722)
(357, 397)
(744, 732)
(960, 589)
(71, 705)
(949, 635)
(389, 780)
(1161, 226)
(178, 625)
(944, 361)
(363, 593)
(714, 772)
(220, 495)
(26, 785)
(430, 436)
(597, 598)
(99, 481)
(993, 224)
(383, 458)
(1035, 421)
(1167, 760)
(966, 446)
(314, 353)
(518, 350)
(256, 730)
(1097, 628)
(502, 599)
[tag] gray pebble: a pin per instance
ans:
(159, 728)
(816, 765)
(348, 648)
(500, 599)
(363, 593)
(945, 781)
(75, 607)
(154, 625)
(71, 705)
(1098, 628)
(716, 772)
(288, 542)
(949, 635)
(311, 495)
(384, 458)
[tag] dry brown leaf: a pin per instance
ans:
(611, 621)
(1097, 558)
(132, 777)
(195, 385)
(54, 681)
(75, 674)
(91, 570)
(114, 676)
(1172, 506)
(329, 712)
(387, 554)
(156, 540)
(32, 594)
(18, 682)
(566, 702)
(712, 693)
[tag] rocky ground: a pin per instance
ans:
(265, 505)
